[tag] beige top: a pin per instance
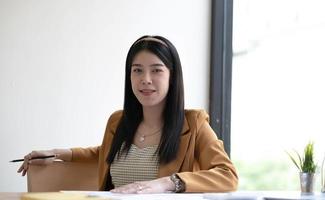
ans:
(137, 165)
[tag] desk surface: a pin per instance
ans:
(246, 195)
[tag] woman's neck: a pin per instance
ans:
(153, 117)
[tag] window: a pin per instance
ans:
(278, 89)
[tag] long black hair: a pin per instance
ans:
(173, 113)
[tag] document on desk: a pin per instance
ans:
(173, 196)
(239, 195)
(159, 196)
(58, 196)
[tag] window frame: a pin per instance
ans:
(221, 69)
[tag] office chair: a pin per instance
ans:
(62, 176)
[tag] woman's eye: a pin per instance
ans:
(136, 70)
(157, 70)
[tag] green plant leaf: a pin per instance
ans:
(305, 163)
(294, 160)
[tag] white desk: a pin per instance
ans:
(240, 195)
(263, 195)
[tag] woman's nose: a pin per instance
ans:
(146, 79)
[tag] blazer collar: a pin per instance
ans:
(185, 126)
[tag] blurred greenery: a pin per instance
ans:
(266, 175)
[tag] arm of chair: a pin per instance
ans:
(62, 176)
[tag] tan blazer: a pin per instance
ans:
(201, 162)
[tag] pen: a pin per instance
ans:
(37, 157)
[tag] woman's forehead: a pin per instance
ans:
(146, 57)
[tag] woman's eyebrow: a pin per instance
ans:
(152, 65)
(136, 65)
(157, 65)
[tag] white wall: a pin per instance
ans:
(62, 68)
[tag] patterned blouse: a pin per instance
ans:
(138, 165)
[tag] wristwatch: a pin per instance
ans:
(179, 184)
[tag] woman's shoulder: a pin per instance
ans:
(114, 119)
(196, 113)
(198, 122)
(116, 115)
(196, 116)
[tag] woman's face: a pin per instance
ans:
(149, 79)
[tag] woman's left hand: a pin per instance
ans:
(160, 185)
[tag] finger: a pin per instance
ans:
(34, 154)
(146, 190)
(117, 190)
(122, 189)
(126, 189)
(20, 168)
(41, 161)
(138, 187)
(26, 159)
(129, 191)
(24, 172)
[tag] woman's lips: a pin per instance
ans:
(147, 92)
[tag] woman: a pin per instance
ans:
(154, 145)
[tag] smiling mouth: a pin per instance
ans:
(147, 92)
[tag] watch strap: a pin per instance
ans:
(179, 184)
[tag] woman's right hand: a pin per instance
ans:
(63, 154)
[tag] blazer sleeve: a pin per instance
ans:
(215, 171)
(90, 154)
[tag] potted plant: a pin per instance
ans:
(307, 167)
